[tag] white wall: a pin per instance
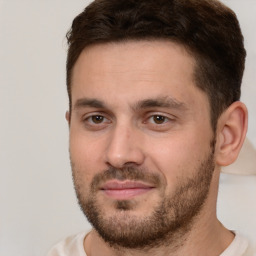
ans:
(37, 203)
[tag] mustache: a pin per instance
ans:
(126, 173)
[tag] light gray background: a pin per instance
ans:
(37, 203)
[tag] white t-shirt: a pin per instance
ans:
(73, 246)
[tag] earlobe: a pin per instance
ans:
(231, 132)
(67, 116)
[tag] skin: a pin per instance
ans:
(119, 132)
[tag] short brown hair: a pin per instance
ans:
(208, 29)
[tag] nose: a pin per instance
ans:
(124, 147)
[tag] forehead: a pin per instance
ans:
(132, 56)
(133, 70)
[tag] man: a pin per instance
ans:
(154, 113)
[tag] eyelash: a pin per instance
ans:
(89, 119)
(149, 120)
(163, 119)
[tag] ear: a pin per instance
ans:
(67, 116)
(231, 132)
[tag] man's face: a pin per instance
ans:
(141, 143)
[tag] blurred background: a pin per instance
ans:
(37, 202)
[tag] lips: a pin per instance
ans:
(125, 189)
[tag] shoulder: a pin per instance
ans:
(72, 245)
(240, 246)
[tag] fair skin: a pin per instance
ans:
(136, 103)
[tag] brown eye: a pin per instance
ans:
(97, 119)
(158, 119)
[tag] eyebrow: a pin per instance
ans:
(162, 102)
(86, 102)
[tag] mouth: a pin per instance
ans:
(123, 190)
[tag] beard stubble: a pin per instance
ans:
(169, 220)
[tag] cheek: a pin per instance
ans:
(177, 157)
(85, 160)
(83, 148)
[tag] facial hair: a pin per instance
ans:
(172, 217)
